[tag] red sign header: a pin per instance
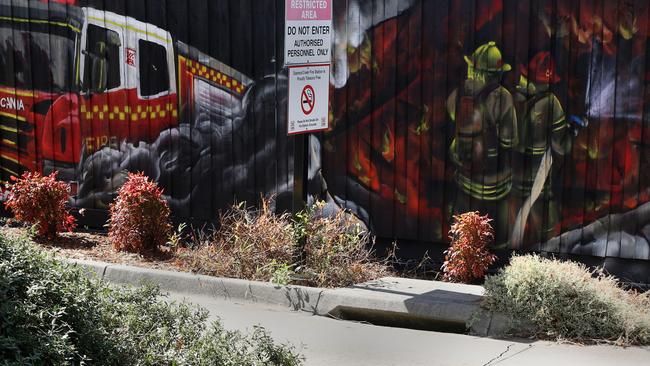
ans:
(309, 9)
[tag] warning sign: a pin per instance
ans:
(308, 98)
(308, 40)
(308, 32)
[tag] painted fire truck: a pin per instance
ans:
(74, 80)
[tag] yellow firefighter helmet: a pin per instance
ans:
(487, 58)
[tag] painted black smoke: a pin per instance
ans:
(208, 161)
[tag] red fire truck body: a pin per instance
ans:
(75, 80)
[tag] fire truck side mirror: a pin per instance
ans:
(99, 71)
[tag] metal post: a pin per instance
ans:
(300, 161)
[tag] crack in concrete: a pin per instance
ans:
(104, 271)
(500, 355)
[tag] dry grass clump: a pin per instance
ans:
(250, 243)
(336, 250)
(310, 249)
(567, 301)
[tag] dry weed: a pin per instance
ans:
(336, 251)
(250, 244)
(309, 249)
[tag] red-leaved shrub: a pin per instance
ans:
(468, 257)
(40, 201)
(139, 217)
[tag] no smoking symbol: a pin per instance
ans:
(307, 99)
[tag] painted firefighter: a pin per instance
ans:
(543, 135)
(485, 131)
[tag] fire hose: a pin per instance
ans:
(538, 186)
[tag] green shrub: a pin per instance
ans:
(52, 314)
(567, 301)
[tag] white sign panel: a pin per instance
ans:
(308, 32)
(308, 98)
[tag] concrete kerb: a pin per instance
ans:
(390, 300)
(294, 297)
(91, 267)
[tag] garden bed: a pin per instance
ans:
(209, 258)
(308, 248)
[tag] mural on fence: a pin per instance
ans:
(173, 88)
(533, 111)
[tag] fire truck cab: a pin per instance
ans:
(74, 80)
(127, 84)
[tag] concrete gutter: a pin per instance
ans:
(389, 301)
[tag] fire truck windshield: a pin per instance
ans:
(37, 56)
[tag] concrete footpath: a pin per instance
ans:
(330, 342)
(291, 315)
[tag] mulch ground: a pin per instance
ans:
(95, 246)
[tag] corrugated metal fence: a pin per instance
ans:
(530, 111)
